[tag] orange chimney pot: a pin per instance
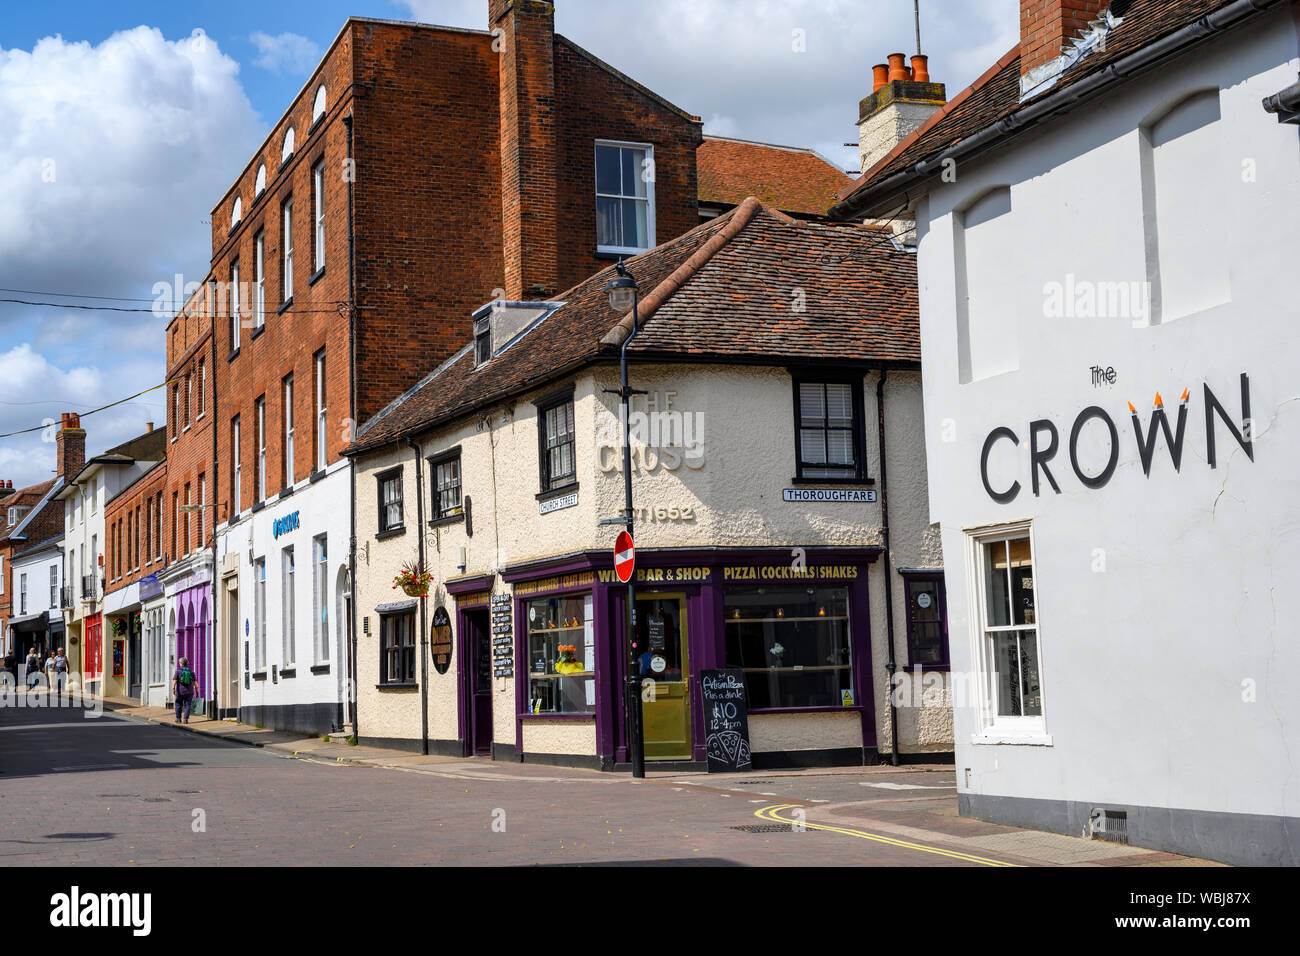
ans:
(897, 70)
(879, 76)
(920, 69)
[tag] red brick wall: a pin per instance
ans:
(593, 104)
(1047, 25)
(290, 339)
(121, 515)
(189, 439)
(427, 201)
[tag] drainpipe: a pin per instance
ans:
(350, 652)
(891, 665)
(422, 643)
(216, 483)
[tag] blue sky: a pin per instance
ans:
(126, 122)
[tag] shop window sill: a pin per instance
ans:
(590, 715)
(395, 685)
(232, 356)
(259, 675)
(448, 519)
(316, 476)
(257, 507)
(257, 330)
(284, 305)
(828, 709)
(311, 280)
(320, 668)
(288, 672)
(285, 492)
(391, 533)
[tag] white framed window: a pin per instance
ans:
(236, 471)
(203, 510)
(287, 605)
(260, 183)
(203, 385)
(22, 593)
(1007, 656)
(287, 216)
(318, 105)
(286, 149)
(625, 197)
(318, 189)
(288, 431)
(259, 281)
(320, 563)
(259, 613)
(261, 449)
(54, 585)
(236, 212)
(234, 306)
(321, 406)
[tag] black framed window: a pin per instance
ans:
(390, 500)
(829, 422)
(556, 444)
(397, 648)
(927, 619)
(445, 472)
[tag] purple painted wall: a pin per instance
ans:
(192, 616)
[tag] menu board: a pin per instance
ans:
(440, 645)
(726, 720)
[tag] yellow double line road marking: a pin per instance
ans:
(771, 813)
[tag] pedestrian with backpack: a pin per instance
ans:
(184, 686)
(33, 669)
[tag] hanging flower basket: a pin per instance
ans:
(414, 579)
(119, 626)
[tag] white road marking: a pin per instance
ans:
(909, 786)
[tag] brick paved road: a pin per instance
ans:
(113, 790)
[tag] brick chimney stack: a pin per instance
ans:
(528, 146)
(902, 98)
(1047, 27)
(70, 445)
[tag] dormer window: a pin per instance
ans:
(318, 106)
(500, 324)
(260, 185)
(236, 211)
(287, 149)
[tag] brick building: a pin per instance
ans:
(178, 626)
(93, 546)
(421, 173)
(30, 519)
(133, 593)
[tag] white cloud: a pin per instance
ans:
(286, 53)
(111, 158)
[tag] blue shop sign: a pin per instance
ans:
(284, 525)
(150, 587)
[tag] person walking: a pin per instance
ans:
(183, 688)
(60, 671)
(33, 669)
(49, 669)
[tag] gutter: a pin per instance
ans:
(891, 662)
(422, 644)
(350, 655)
(872, 200)
(1285, 103)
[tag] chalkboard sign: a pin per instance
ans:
(655, 631)
(726, 720)
(440, 646)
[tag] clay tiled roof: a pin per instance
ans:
(784, 177)
(751, 286)
(28, 497)
(996, 94)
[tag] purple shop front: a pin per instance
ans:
(799, 633)
(193, 612)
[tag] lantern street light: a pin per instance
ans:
(623, 297)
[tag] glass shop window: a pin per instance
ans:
(792, 644)
(561, 656)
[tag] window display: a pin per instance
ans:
(561, 656)
(792, 644)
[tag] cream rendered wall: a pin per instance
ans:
(745, 421)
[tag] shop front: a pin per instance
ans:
(796, 628)
(92, 640)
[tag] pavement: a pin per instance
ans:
(131, 787)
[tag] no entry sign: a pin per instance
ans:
(624, 557)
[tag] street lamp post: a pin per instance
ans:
(623, 297)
